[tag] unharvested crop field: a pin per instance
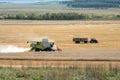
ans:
(62, 32)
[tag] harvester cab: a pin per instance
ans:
(43, 45)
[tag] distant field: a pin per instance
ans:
(38, 8)
(62, 32)
(48, 5)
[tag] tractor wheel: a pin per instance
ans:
(96, 41)
(92, 42)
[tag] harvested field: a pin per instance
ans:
(105, 53)
(80, 58)
(75, 55)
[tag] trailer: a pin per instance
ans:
(84, 40)
(80, 40)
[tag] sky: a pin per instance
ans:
(27, 1)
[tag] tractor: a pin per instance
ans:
(43, 45)
(93, 40)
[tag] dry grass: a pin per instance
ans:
(46, 63)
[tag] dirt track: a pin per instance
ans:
(76, 55)
(79, 58)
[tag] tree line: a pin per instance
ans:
(92, 3)
(58, 16)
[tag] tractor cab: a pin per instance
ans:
(93, 40)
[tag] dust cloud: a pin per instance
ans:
(12, 49)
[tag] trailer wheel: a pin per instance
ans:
(96, 41)
(77, 42)
(85, 41)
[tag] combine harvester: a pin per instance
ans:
(43, 45)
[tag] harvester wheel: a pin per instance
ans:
(48, 49)
(37, 49)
